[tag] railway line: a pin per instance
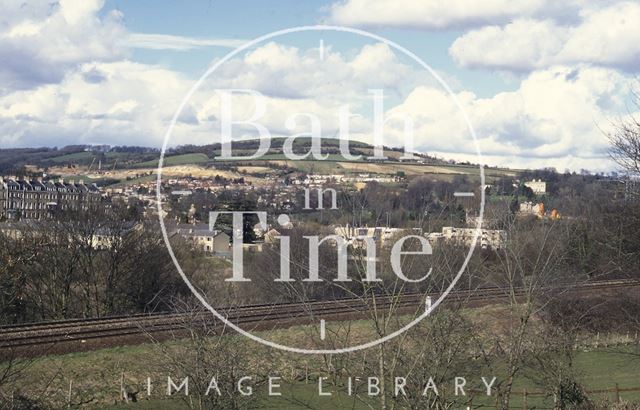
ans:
(61, 336)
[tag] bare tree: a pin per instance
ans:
(625, 142)
(528, 269)
(211, 358)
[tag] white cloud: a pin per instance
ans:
(131, 104)
(437, 14)
(179, 43)
(289, 72)
(555, 118)
(609, 36)
(552, 119)
(39, 41)
(78, 86)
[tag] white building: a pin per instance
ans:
(356, 235)
(532, 209)
(538, 186)
(215, 242)
(314, 180)
(488, 238)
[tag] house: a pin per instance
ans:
(36, 199)
(271, 235)
(105, 237)
(67, 233)
(538, 186)
(18, 230)
(210, 241)
(356, 236)
(529, 208)
(488, 238)
(4, 195)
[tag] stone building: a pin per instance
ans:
(487, 239)
(37, 199)
(538, 186)
(210, 241)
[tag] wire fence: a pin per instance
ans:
(613, 394)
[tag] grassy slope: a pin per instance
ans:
(185, 159)
(600, 370)
(86, 156)
(96, 374)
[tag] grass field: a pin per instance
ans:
(96, 375)
(440, 171)
(195, 164)
(185, 159)
(86, 156)
(600, 370)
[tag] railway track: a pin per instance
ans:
(70, 335)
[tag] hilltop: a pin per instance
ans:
(107, 165)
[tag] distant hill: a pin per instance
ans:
(13, 161)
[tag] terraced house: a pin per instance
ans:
(37, 199)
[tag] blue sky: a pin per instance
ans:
(246, 20)
(540, 80)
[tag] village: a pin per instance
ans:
(23, 201)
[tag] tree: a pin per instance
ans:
(530, 265)
(210, 358)
(625, 142)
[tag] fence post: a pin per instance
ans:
(123, 391)
(617, 393)
(524, 399)
(69, 394)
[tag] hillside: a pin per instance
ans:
(109, 165)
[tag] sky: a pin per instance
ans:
(540, 81)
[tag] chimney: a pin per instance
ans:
(39, 179)
(81, 181)
(61, 180)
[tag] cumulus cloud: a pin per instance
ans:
(286, 71)
(123, 102)
(79, 86)
(437, 15)
(555, 118)
(552, 119)
(609, 36)
(130, 104)
(39, 41)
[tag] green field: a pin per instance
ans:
(86, 157)
(185, 159)
(96, 375)
(600, 370)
